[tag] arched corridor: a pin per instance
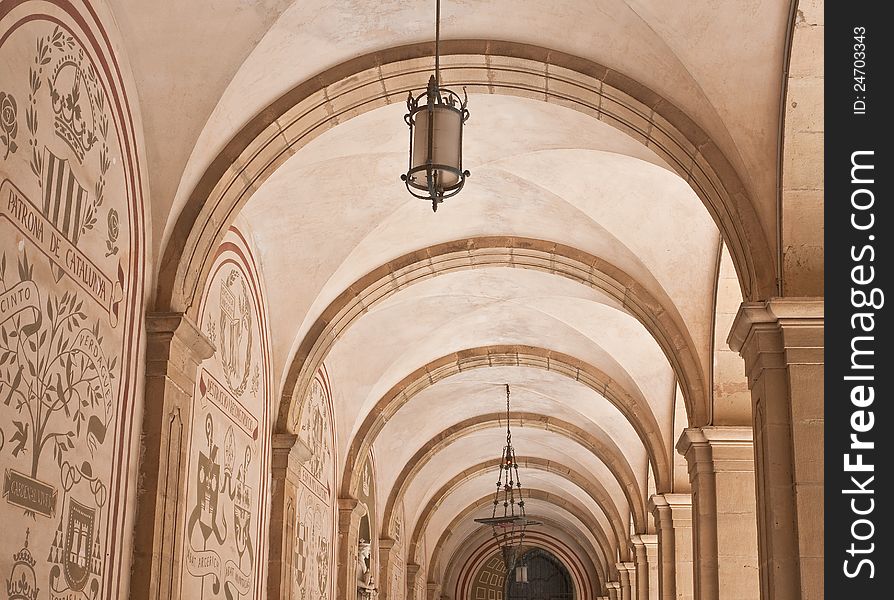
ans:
(239, 361)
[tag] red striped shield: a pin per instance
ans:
(64, 200)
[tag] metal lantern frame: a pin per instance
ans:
(509, 524)
(425, 180)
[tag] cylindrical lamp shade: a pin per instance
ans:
(436, 120)
(437, 135)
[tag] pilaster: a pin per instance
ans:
(645, 552)
(627, 579)
(414, 579)
(782, 343)
(175, 347)
(614, 590)
(388, 555)
(350, 511)
(721, 470)
(673, 518)
(288, 453)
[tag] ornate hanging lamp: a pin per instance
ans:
(436, 118)
(508, 520)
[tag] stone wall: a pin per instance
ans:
(72, 268)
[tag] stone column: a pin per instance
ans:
(175, 347)
(414, 575)
(432, 590)
(388, 555)
(350, 511)
(782, 343)
(645, 551)
(614, 590)
(721, 470)
(287, 455)
(627, 576)
(673, 516)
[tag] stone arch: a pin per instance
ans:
(379, 78)
(487, 549)
(662, 322)
(593, 489)
(640, 417)
(570, 507)
(608, 453)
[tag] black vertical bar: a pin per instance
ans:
(858, 228)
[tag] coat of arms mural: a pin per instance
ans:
(71, 278)
(229, 442)
(313, 554)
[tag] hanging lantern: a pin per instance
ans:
(521, 574)
(508, 521)
(436, 118)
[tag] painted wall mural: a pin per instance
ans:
(225, 528)
(313, 576)
(397, 581)
(71, 287)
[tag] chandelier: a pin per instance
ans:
(436, 118)
(508, 520)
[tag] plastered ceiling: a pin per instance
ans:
(336, 210)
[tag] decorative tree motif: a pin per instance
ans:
(53, 374)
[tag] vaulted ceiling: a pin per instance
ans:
(513, 281)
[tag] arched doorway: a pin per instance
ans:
(539, 575)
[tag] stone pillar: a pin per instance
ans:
(614, 590)
(414, 575)
(645, 552)
(721, 470)
(287, 455)
(350, 511)
(781, 341)
(388, 555)
(432, 591)
(627, 576)
(175, 347)
(673, 516)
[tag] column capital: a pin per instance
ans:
(670, 500)
(413, 569)
(179, 326)
(671, 510)
(717, 448)
(352, 507)
(624, 571)
(644, 539)
(288, 452)
(778, 332)
(386, 544)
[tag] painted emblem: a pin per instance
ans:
(299, 559)
(235, 339)
(22, 581)
(78, 544)
(323, 567)
(316, 430)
